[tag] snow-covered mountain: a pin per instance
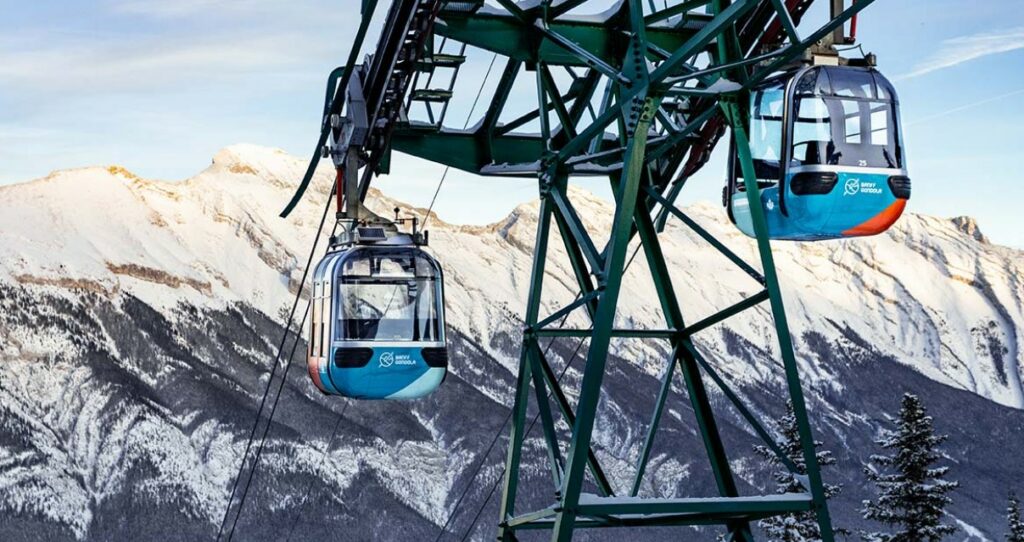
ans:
(138, 320)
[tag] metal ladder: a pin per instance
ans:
(388, 73)
(432, 96)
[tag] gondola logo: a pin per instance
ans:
(852, 187)
(387, 359)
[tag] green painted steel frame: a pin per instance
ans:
(644, 59)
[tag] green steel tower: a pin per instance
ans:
(636, 91)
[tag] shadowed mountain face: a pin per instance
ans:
(139, 320)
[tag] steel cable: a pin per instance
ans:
(494, 487)
(465, 125)
(266, 428)
(277, 359)
(273, 370)
(501, 429)
(309, 485)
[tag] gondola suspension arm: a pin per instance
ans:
(332, 103)
(374, 93)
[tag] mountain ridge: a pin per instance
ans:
(235, 158)
(160, 303)
(258, 178)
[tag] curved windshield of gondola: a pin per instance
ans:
(389, 295)
(766, 114)
(845, 117)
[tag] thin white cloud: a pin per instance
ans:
(130, 65)
(174, 55)
(162, 9)
(171, 57)
(965, 107)
(962, 49)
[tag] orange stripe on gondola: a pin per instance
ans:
(313, 366)
(879, 222)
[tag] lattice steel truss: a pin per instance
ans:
(666, 82)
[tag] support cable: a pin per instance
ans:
(497, 435)
(309, 485)
(266, 428)
(465, 125)
(501, 429)
(497, 481)
(273, 371)
(262, 442)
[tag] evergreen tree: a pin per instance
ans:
(801, 526)
(912, 494)
(1013, 518)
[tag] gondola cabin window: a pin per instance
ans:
(321, 304)
(324, 317)
(767, 109)
(844, 118)
(389, 295)
(314, 329)
(766, 123)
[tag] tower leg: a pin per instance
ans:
(597, 354)
(696, 390)
(520, 403)
(737, 121)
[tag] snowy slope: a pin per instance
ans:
(137, 318)
(216, 239)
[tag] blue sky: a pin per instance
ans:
(160, 86)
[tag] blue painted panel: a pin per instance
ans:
(394, 372)
(857, 198)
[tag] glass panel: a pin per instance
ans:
(875, 145)
(851, 82)
(845, 116)
(314, 335)
(325, 316)
(852, 125)
(884, 88)
(845, 132)
(766, 124)
(808, 84)
(879, 127)
(812, 131)
(766, 111)
(389, 295)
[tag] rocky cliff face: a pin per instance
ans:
(138, 320)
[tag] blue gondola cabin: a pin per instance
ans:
(827, 153)
(377, 328)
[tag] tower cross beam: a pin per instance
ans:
(671, 81)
